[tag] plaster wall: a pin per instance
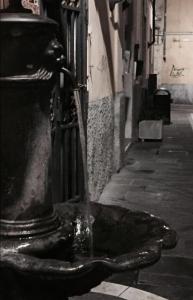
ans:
(113, 109)
(105, 62)
(134, 83)
(105, 88)
(176, 71)
(140, 36)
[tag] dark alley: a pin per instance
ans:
(157, 178)
(96, 150)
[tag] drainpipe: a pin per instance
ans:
(153, 40)
(164, 31)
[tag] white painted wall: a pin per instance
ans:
(105, 92)
(178, 68)
(106, 108)
(176, 72)
(105, 64)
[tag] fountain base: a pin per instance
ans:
(122, 240)
(31, 245)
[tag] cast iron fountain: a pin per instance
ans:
(53, 251)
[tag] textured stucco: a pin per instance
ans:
(100, 132)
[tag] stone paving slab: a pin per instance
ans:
(112, 291)
(169, 292)
(158, 178)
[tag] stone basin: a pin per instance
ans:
(122, 240)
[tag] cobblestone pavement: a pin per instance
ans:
(158, 178)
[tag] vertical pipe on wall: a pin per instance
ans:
(164, 30)
(153, 40)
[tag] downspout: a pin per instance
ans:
(164, 31)
(153, 40)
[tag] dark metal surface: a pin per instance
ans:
(30, 58)
(153, 19)
(68, 169)
(122, 240)
(162, 103)
(15, 6)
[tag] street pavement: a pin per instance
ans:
(158, 178)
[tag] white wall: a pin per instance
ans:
(105, 87)
(106, 108)
(105, 64)
(176, 72)
(178, 68)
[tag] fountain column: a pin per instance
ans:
(28, 71)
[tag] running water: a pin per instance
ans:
(83, 234)
(83, 243)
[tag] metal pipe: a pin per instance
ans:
(179, 33)
(154, 12)
(175, 33)
(164, 30)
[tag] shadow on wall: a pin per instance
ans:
(103, 9)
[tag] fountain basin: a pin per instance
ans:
(122, 240)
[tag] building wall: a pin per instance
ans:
(115, 90)
(105, 87)
(141, 35)
(175, 68)
(136, 84)
(159, 40)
